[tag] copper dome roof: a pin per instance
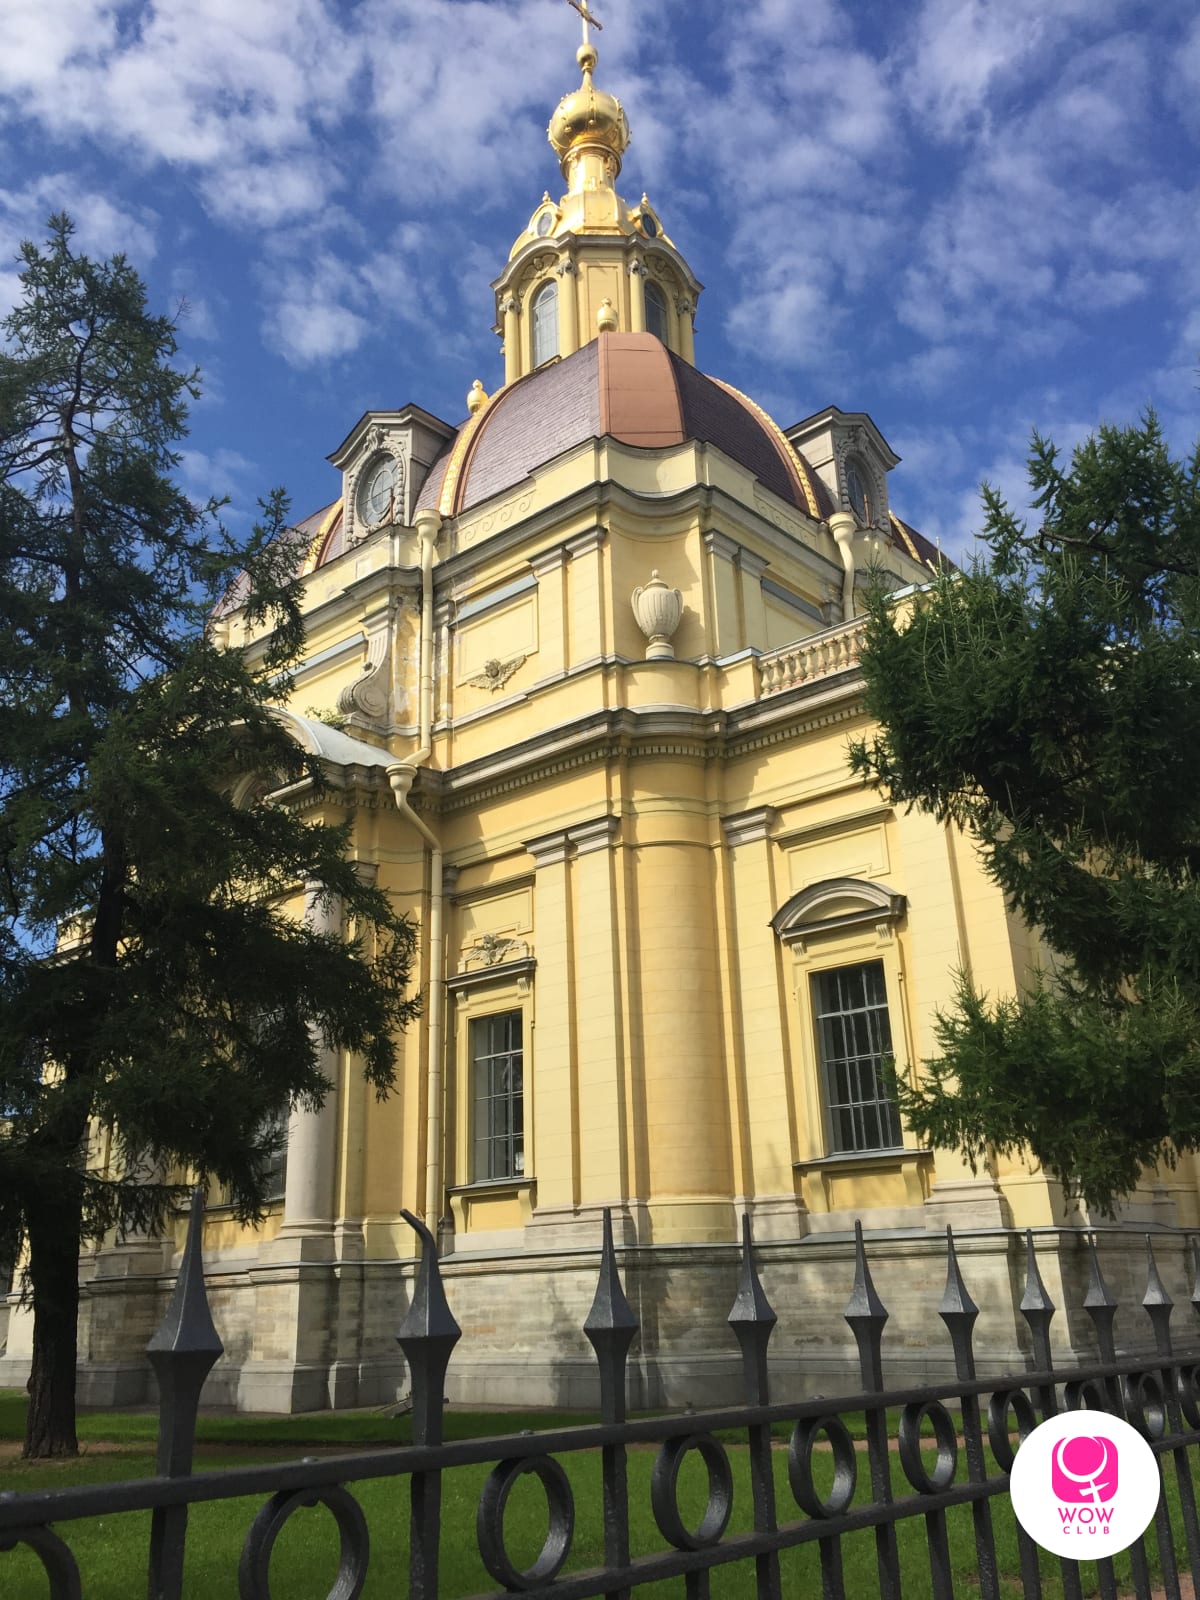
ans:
(629, 387)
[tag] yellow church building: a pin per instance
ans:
(581, 674)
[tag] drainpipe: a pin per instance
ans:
(402, 775)
(843, 525)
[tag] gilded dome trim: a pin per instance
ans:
(315, 555)
(795, 469)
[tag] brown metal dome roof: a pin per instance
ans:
(629, 387)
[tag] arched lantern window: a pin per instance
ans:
(545, 324)
(656, 312)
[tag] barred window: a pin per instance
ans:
(545, 324)
(854, 1039)
(497, 1067)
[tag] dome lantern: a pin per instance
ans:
(590, 264)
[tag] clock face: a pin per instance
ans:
(378, 492)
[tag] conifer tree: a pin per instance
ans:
(159, 1007)
(1048, 700)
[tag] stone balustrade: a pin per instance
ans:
(833, 650)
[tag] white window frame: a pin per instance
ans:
(543, 317)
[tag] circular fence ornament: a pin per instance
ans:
(845, 1466)
(945, 1437)
(51, 1551)
(664, 1491)
(489, 1521)
(254, 1568)
(1002, 1403)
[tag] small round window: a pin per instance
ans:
(857, 491)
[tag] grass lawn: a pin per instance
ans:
(111, 1551)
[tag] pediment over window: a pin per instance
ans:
(835, 905)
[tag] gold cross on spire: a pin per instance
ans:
(589, 19)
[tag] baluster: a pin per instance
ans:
(753, 1323)
(1159, 1305)
(867, 1316)
(611, 1328)
(1038, 1310)
(427, 1337)
(182, 1352)
(959, 1312)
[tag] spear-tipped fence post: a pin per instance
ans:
(753, 1322)
(427, 1337)
(182, 1352)
(1101, 1306)
(867, 1316)
(1038, 1310)
(1159, 1306)
(959, 1312)
(611, 1328)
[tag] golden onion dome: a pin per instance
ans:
(588, 119)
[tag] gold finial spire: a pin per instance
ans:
(589, 129)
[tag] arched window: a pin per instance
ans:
(545, 324)
(656, 312)
(840, 932)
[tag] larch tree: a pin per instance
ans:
(1047, 699)
(154, 989)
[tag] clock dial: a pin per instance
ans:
(379, 492)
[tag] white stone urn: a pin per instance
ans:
(658, 611)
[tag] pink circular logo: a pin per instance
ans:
(1085, 1484)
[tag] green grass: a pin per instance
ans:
(111, 1551)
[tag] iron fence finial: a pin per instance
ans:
(1100, 1303)
(182, 1351)
(866, 1314)
(1157, 1302)
(427, 1336)
(610, 1327)
(752, 1319)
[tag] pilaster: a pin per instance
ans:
(552, 1119)
(763, 1056)
(587, 640)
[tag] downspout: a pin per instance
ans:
(843, 526)
(402, 775)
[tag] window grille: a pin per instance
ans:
(498, 1065)
(854, 1039)
(545, 325)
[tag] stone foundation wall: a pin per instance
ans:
(305, 1335)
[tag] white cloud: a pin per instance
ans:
(308, 320)
(222, 473)
(965, 57)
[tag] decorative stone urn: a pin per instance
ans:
(658, 611)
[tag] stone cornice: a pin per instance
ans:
(624, 733)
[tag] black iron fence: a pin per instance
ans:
(967, 1427)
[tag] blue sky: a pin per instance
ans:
(963, 216)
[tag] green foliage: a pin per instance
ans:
(154, 987)
(1048, 700)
